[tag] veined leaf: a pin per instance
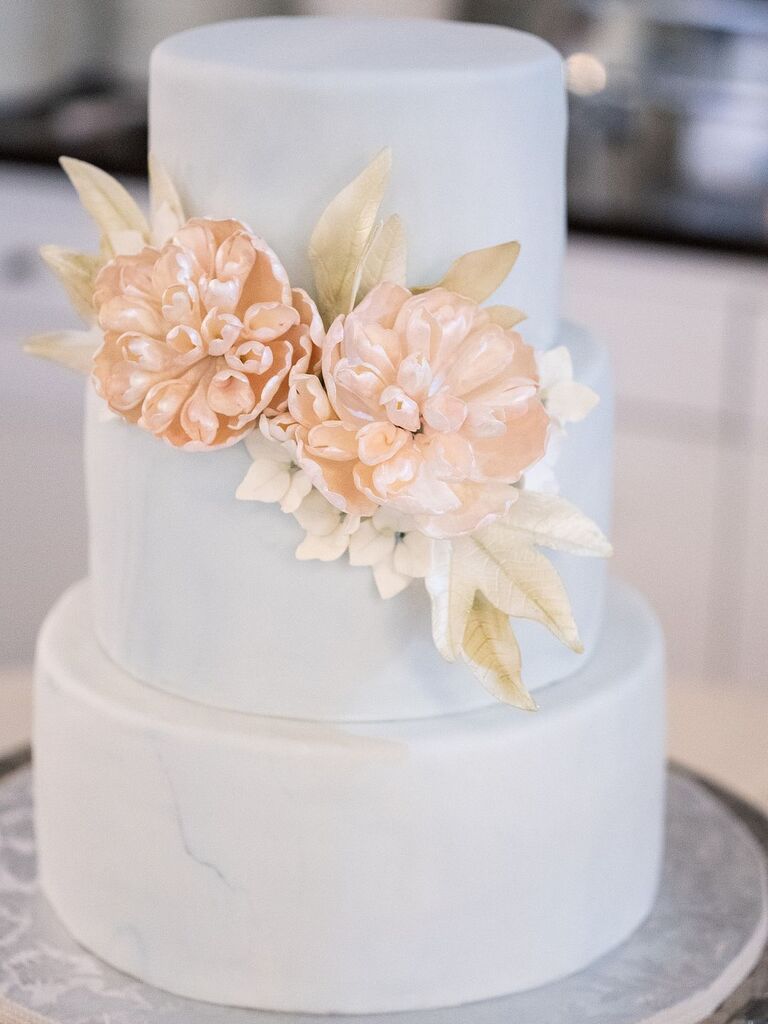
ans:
(452, 590)
(552, 522)
(341, 234)
(478, 274)
(385, 259)
(77, 272)
(509, 572)
(505, 316)
(73, 349)
(120, 221)
(167, 211)
(492, 651)
(518, 580)
(354, 288)
(477, 582)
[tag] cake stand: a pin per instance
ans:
(700, 957)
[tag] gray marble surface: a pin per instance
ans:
(688, 960)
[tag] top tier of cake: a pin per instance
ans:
(265, 119)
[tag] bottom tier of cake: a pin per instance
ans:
(349, 868)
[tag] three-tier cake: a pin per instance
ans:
(258, 782)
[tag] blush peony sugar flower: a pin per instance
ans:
(200, 335)
(427, 407)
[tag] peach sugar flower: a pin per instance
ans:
(426, 407)
(200, 335)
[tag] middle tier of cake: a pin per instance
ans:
(199, 594)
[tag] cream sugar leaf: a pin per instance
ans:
(341, 237)
(72, 349)
(385, 259)
(123, 229)
(491, 649)
(505, 316)
(501, 562)
(477, 274)
(123, 226)
(167, 210)
(77, 272)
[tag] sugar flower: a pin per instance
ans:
(427, 408)
(565, 399)
(273, 475)
(387, 542)
(396, 552)
(200, 335)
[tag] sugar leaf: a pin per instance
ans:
(451, 585)
(77, 272)
(73, 349)
(339, 239)
(478, 274)
(500, 567)
(122, 225)
(492, 651)
(167, 210)
(552, 522)
(505, 316)
(522, 582)
(385, 259)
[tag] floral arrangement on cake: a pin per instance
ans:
(409, 427)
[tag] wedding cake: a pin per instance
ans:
(346, 717)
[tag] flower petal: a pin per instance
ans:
(316, 515)
(389, 582)
(265, 481)
(298, 489)
(325, 548)
(367, 546)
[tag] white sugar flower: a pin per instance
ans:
(565, 399)
(395, 551)
(328, 530)
(273, 475)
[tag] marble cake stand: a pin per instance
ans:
(702, 951)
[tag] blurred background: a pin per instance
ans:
(668, 204)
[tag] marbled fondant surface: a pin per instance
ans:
(711, 914)
(402, 864)
(199, 594)
(266, 119)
